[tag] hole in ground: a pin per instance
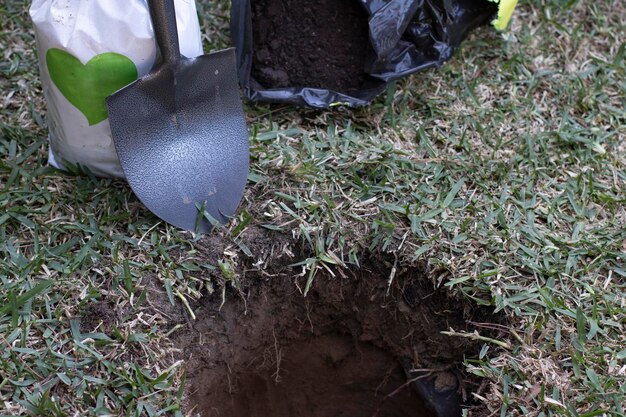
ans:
(352, 347)
(325, 375)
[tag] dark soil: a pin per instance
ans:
(310, 43)
(98, 316)
(325, 375)
(350, 348)
(103, 316)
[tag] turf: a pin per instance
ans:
(504, 171)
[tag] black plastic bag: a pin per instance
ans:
(424, 34)
(402, 37)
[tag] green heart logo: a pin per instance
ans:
(87, 86)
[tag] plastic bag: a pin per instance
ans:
(404, 36)
(424, 33)
(87, 50)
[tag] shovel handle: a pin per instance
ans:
(163, 16)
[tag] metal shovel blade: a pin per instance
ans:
(180, 132)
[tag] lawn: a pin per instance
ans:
(502, 174)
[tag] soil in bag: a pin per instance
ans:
(310, 43)
(321, 53)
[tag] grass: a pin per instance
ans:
(505, 171)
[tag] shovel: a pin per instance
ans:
(180, 132)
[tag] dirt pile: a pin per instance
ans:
(314, 43)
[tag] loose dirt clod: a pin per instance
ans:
(317, 43)
(350, 348)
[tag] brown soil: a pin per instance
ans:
(103, 316)
(325, 375)
(98, 316)
(350, 348)
(310, 43)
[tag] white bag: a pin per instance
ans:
(87, 50)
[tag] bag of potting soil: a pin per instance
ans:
(323, 53)
(88, 50)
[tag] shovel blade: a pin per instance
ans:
(182, 140)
